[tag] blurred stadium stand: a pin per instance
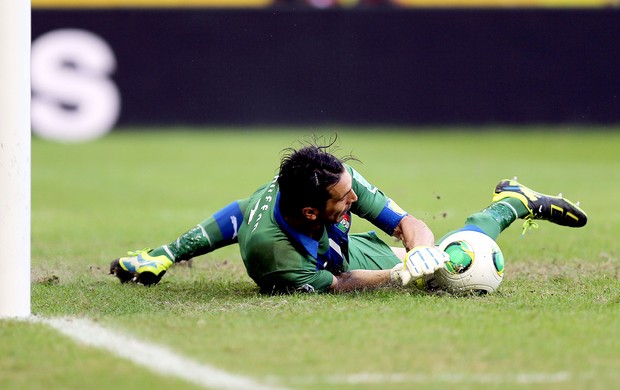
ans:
(398, 62)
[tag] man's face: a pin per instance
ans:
(342, 197)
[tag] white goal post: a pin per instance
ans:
(15, 162)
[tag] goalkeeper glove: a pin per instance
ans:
(420, 261)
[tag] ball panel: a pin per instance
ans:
(461, 256)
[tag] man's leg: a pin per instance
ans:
(512, 200)
(367, 251)
(215, 232)
(148, 266)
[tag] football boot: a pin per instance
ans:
(554, 209)
(140, 267)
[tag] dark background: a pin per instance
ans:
(405, 67)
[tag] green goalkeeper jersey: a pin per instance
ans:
(280, 259)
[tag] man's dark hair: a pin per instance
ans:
(305, 177)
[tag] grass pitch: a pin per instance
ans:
(555, 322)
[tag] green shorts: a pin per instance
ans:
(367, 251)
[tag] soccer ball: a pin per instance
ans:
(476, 263)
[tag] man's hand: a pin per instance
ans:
(420, 261)
(413, 232)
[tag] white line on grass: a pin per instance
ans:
(455, 378)
(164, 361)
(156, 358)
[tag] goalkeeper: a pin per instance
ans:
(293, 233)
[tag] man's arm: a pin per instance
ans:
(360, 279)
(413, 232)
(421, 261)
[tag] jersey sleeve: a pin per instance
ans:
(374, 206)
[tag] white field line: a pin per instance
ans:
(164, 361)
(453, 378)
(156, 358)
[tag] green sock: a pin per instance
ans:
(194, 242)
(497, 217)
(214, 232)
(160, 251)
(199, 240)
(517, 205)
